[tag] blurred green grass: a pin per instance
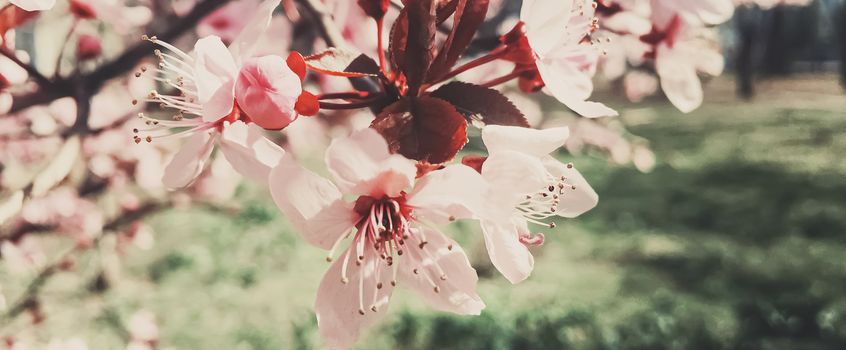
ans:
(737, 240)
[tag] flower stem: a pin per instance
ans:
(491, 56)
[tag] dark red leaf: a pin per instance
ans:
(374, 8)
(423, 128)
(12, 16)
(420, 43)
(484, 104)
(446, 9)
(469, 15)
(334, 61)
(398, 41)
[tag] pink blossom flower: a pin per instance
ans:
(694, 12)
(268, 90)
(527, 185)
(207, 104)
(228, 21)
(34, 5)
(680, 51)
(565, 57)
(389, 244)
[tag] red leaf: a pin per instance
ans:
(469, 15)
(423, 128)
(398, 41)
(334, 61)
(374, 8)
(484, 104)
(412, 51)
(446, 9)
(12, 16)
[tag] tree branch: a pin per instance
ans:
(130, 58)
(34, 73)
(324, 21)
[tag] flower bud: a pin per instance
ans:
(88, 47)
(267, 91)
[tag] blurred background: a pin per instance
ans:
(724, 228)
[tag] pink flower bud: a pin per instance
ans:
(267, 91)
(88, 47)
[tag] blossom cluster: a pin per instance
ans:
(389, 97)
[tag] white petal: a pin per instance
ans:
(514, 175)
(249, 152)
(545, 20)
(678, 79)
(215, 72)
(577, 199)
(34, 5)
(338, 303)
(441, 261)
(508, 255)
(455, 192)
(188, 163)
(529, 141)
(572, 87)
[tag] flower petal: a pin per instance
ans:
(245, 43)
(340, 301)
(188, 163)
(513, 175)
(454, 192)
(579, 197)
(444, 276)
(572, 87)
(544, 22)
(511, 257)
(361, 164)
(533, 142)
(678, 78)
(301, 195)
(249, 152)
(34, 5)
(215, 71)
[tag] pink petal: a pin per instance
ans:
(507, 253)
(331, 223)
(245, 44)
(678, 79)
(267, 91)
(214, 71)
(696, 12)
(188, 163)
(249, 152)
(338, 304)
(529, 141)
(362, 165)
(301, 195)
(579, 197)
(441, 261)
(454, 192)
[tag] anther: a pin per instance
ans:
(422, 244)
(373, 308)
(361, 312)
(393, 283)
(551, 225)
(379, 285)
(451, 218)
(443, 277)
(437, 289)
(415, 271)
(345, 280)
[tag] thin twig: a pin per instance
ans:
(34, 73)
(325, 23)
(120, 66)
